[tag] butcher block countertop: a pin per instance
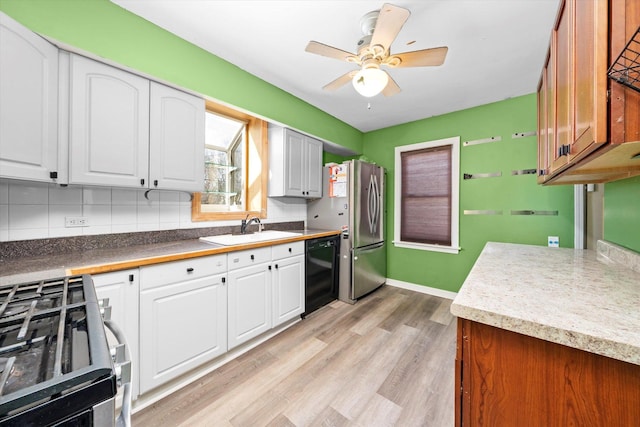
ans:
(27, 269)
(579, 298)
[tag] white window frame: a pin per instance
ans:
(455, 196)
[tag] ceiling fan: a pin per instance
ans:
(380, 29)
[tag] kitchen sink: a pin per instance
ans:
(240, 239)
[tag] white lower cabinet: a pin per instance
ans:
(183, 317)
(288, 281)
(249, 297)
(179, 315)
(123, 289)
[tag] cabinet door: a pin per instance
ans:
(28, 103)
(122, 289)
(314, 168)
(109, 129)
(543, 159)
(590, 76)
(508, 379)
(288, 289)
(563, 39)
(176, 157)
(550, 109)
(294, 155)
(181, 326)
(249, 303)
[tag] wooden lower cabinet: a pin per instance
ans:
(508, 379)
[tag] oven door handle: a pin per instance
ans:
(124, 418)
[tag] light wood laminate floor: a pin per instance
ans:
(388, 360)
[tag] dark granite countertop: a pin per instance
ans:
(25, 268)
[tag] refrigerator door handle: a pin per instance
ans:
(376, 199)
(371, 205)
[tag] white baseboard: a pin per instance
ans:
(422, 289)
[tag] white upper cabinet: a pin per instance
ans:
(28, 104)
(176, 158)
(126, 131)
(295, 163)
(109, 125)
(314, 168)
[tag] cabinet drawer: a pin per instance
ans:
(249, 257)
(180, 271)
(287, 250)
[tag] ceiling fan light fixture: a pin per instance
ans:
(369, 82)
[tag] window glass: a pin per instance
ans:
(235, 166)
(426, 195)
(225, 143)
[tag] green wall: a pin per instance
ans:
(506, 193)
(106, 30)
(622, 213)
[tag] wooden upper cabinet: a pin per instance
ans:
(593, 123)
(563, 91)
(590, 78)
(542, 126)
(625, 102)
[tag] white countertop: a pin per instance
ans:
(572, 297)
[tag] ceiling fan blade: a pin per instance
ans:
(340, 81)
(388, 25)
(392, 88)
(419, 58)
(330, 52)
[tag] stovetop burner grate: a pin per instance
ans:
(52, 339)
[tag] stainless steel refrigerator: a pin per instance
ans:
(353, 201)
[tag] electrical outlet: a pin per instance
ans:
(553, 241)
(76, 221)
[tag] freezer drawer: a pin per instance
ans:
(369, 269)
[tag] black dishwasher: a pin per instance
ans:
(321, 282)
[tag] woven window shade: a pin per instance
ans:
(426, 196)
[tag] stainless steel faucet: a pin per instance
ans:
(247, 222)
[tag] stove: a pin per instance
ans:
(55, 363)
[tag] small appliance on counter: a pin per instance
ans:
(353, 201)
(55, 363)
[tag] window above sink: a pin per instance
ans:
(235, 159)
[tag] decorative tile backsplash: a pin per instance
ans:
(33, 210)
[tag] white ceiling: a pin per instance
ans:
(496, 49)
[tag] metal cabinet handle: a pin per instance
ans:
(289, 250)
(142, 182)
(131, 278)
(269, 268)
(276, 266)
(190, 270)
(252, 257)
(155, 182)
